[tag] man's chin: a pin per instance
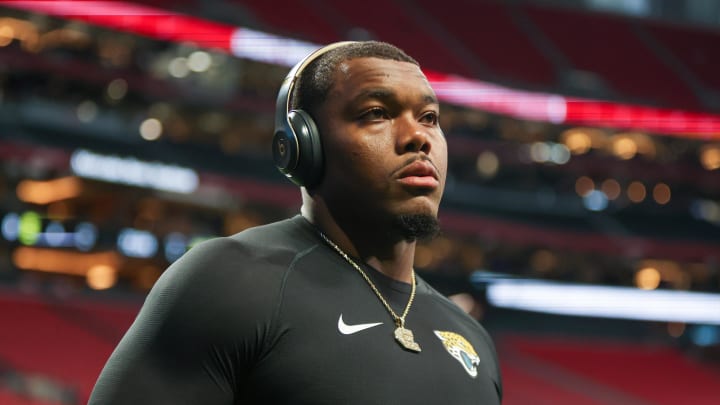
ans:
(417, 226)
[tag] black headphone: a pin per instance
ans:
(296, 146)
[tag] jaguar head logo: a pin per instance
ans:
(461, 350)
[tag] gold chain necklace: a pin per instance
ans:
(403, 336)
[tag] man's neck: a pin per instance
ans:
(378, 247)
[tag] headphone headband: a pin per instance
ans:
(282, 105)
(297, 149)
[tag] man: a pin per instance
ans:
(323, 308)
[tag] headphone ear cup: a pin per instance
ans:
(308, 168)
(285, 151)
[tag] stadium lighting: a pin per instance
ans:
(137, 243)
(61, 261)
(45, 192)
(269, 48)
(604, 302)
(133, 172)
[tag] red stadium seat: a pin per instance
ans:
(488, 30)
(52, 340)
(601, 370)
(698, 49)
(294, 18)
(608, 46)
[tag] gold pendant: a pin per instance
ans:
(406, 339)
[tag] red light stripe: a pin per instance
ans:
(663, 121)
(170, 26)
(138, 19)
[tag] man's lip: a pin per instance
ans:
(418, 168)
(419, 173)
(420, 181)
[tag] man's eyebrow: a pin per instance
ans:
(387, 94)
(430, 99)
(376, 93)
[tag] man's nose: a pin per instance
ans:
(411, 135)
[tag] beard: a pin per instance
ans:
(417, 226)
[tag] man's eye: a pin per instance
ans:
(429, 118)
(375, 113)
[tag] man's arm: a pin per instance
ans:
(196, 335)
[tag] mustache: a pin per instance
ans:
(414, 159)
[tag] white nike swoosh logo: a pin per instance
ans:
(346, 329)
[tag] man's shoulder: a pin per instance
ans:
(426, 289)
(258, 249)
(293, 234)
(243, 270)
(458, 314)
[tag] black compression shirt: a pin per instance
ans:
(273, 315)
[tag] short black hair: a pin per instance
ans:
(316, 80)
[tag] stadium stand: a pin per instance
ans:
(40, 338)
(498, 41)
(697, 49)
(8, 397)
(283, 20)
(618, 55)
(396, 25)
(489, 31)
(604, 371)
(55, 339)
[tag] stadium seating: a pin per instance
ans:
(608, 371)
(395, 24)
(51, 339)
(493, 41)
(295, 17)
(8, 397)
(60, 339)
(696, 48)
(488, 30)
(609, 46)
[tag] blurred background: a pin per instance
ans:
(581, 220)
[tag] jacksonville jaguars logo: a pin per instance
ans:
(461, 350)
